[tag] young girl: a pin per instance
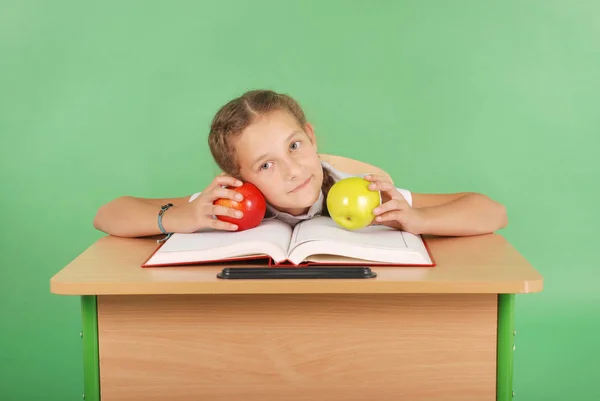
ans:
(263, 138)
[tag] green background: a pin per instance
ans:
(102, 99)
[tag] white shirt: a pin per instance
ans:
(316, 207)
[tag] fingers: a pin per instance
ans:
(221, 193)
(394, 215)
(224, 193)
(218, 210)
(384, 186)
(222, 225)
(393, 204)
(379, 182)
(217, 189)
(227, 180)
(210, 213)
(224, 180)
(377, 177)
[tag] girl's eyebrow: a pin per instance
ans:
(292, 134)
(264, 155)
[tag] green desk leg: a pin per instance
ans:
(91, 367)
(506, 341)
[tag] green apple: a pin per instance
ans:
(350, 203)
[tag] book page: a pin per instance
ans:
(324, 228)
(271, 238)
(377, 243)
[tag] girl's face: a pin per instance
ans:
(280, 158)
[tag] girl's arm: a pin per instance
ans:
(128, 216)
(459, 214)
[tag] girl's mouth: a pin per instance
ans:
(301, 186)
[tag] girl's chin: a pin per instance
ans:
(306, 199)
(299, 205)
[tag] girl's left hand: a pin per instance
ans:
(394, 210)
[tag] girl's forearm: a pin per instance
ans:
(128, 216)
(471, 214)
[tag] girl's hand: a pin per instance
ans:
(394, 210)
(201, 210)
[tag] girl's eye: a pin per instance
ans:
(295, 145)
(265, 166)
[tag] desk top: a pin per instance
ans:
(478, 264)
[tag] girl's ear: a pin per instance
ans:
(310, 132)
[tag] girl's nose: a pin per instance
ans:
(293, 169)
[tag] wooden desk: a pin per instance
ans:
(442, 333)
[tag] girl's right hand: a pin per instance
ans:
(201, 210)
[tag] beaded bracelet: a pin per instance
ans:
(162, 211)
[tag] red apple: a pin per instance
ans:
(254, 206)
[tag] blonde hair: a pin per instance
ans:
(232, 118)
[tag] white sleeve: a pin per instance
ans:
(194, 196)
(406, 194)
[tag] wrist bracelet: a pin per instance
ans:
(162, 211)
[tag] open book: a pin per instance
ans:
(318, 241)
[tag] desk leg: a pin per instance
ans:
(91, 371)
(506, 326)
